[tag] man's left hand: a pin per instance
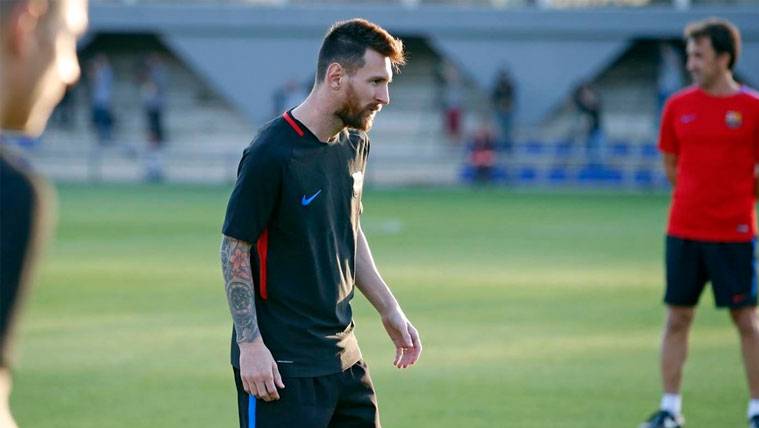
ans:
(408, 346)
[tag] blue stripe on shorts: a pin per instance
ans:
(251, 411)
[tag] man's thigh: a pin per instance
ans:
(304, 402)
(732, 270)
(686, 272)
(357, 405)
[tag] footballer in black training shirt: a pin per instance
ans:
(293, 247)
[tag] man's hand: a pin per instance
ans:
(408, 346)
(258, 370)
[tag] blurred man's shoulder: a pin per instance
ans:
(16, 176)
(685, 93)
(751, 93)
(22, 187)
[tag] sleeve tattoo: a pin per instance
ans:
(238, 284)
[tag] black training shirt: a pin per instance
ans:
(298, 200)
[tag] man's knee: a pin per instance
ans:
(679, 320)
(746, 321)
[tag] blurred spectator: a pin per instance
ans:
(588, 104)
(670, 76)
(290, 95)
(482, 153)
(502, 98)
(153, 91)
(453, 99)
(101, 88)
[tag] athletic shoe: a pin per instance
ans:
(754, 422)
(664, 419)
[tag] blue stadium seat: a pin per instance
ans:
(558, 175)
(613, 176)
(500, 175)
(597, 173)
(527, 174)
(534, 147)
(649, 151)
(644, 177)
(563, 148)
(590, 172)
(619, 149)
(466, 174)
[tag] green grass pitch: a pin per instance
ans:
(535, 309)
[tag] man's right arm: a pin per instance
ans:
(670, 167)
(258, 370)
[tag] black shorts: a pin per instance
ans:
(337, 400)
(728, 266)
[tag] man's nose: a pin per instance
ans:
(383, 95)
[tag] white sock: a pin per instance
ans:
(753, 407)
(672, 403)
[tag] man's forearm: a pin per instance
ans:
(369, 281)
(670, 167)
(238, 284)
(377, 292)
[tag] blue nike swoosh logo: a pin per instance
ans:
(307, 200)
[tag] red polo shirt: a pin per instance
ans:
(716, 140)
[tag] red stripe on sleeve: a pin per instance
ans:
(263, 249)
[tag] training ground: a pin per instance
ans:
(535, 309)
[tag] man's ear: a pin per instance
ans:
(21, 27)
(334, 76)
(724, 58)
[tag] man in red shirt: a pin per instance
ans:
(709, 138)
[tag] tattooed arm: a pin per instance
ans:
(238, 283)
(258, 370)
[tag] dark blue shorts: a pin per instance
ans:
(729, 267)
(340, 400)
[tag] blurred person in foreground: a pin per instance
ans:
(709, 138)
(37, 61)
(293, 248)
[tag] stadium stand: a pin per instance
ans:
(209, 121)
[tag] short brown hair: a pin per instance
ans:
(346, 43)
(724, 36)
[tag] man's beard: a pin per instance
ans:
(353, 116)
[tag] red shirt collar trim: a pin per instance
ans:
(289, 119)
